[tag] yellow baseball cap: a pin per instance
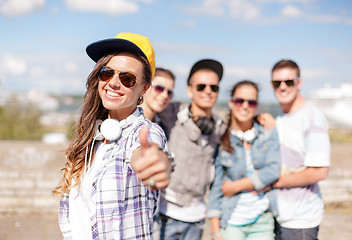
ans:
(130, 42)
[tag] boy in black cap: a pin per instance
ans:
(193, 133)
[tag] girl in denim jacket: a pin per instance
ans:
(247, 162)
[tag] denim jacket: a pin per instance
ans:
(265, 154)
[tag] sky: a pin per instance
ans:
(42, 43)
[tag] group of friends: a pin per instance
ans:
(143, 167)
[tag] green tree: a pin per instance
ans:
(20, 122)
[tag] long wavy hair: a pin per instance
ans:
(92, 109)
(225, 139)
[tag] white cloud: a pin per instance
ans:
(246, 72)
(334, 54)
(110, 7)
(328, 18)
(244, 10)
(256, 11)
(147, 1)
(20, 7)
(189, 48)
(42, 71)
(70, 67)
(295, 11)
(291, 11)
(186, 24)
(313, 73)
(209, 7)
(37, 71)
(240, 9)
(286, 1)
(12, 66)
(55, 10)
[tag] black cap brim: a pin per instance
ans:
(101, 48)
(210, 64)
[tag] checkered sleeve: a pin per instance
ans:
(125, 207)
(64, 220)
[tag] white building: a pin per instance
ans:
(336, 104)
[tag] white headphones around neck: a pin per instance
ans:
(109, 129)
(247, 136)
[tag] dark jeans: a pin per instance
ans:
(172, 229)
(282, 233)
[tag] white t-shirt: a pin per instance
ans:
(80, 197)
(304, 142)
(250, 204)
(81, 205)
(192, 213)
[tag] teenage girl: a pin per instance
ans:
(248, 161)
(116, 162)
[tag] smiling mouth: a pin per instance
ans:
(243, 113)
(207, 98)
(284, 94)
(112, 94)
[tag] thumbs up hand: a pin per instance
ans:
(151, 165)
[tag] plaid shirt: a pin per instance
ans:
(124, 206)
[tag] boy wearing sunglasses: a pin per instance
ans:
(159, 95)
(305, 156)
(193, 133)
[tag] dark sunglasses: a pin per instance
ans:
(201, 87)
(239, 101)
(127, 79)
(160, 89)
(289, 82)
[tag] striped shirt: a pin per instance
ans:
(124, 207)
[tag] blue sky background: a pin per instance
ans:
(43, 42)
